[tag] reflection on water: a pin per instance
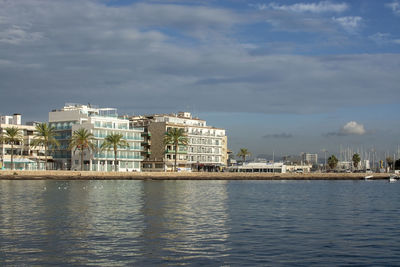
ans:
(111, 222)
(71, 222)
(236, 223)
(185, 221)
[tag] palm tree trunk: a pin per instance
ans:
(45, 157)
(176, 156)
(37, 160)
(12, 156)
(81, 159)
(115, 159)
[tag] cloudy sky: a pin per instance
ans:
(284, 76)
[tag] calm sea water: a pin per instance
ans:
(216, 223)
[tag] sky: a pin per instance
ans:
(280, 76)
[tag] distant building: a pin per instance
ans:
(11, 120)
(25, 157)
(259, 167)
(292, 159)
(100, 122)
(299, 168)
(309, 158)
(206, 150)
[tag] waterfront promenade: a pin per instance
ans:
(88, 175)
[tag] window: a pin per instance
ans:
(147, 165)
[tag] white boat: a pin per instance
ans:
(393, 178)
(368, 177)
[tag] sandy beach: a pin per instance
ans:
(87, 175)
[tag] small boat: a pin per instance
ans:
(368, 177)
(393, 178)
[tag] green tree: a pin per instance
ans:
(12, 136)
(45, 136)
(332, 162)
(243, 153)
(176, 137)
(356, 160)
(114, 141)
(80, 140)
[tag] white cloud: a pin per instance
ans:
(394, 6)
(145, 60)
(350, 24)
(352, 128)
(380, 38)
(383, 38)
(321, 7)
(16, 34)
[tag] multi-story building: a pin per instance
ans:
(206, 149)
(309, 158)
(100, 122)
(25, 157)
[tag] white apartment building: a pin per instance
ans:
(309, 158)
(100, 122)
(206, 149)
(25, 156)
(15, 119)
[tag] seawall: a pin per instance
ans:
(88, 175)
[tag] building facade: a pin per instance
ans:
(25, 156)
(206, 149)
(309, 158)
(100, 122)
(259, 167)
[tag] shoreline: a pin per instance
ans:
(89, 175)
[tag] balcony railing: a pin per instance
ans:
(173, 151)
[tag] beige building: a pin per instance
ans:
(25, 157)
(206, 149)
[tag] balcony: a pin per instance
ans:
(173, 151)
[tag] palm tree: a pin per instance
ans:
(332, 162)
(82, 139)
(12, 136)
(389, 162)
(114, 141)
(176, 137)
(45, 136)
(243, 153)
(356, 160)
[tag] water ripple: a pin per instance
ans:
(219, 223)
